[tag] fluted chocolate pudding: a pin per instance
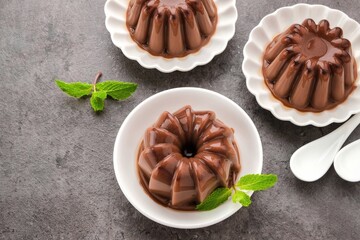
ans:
(185, 156)
(310, 67)
(171, 28)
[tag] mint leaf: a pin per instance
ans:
(76, 89)
(257, 182)
(215, 199)
(117, 90)
(253, 182)
(242, 198)
(97, 100)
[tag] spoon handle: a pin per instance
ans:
(344, 131)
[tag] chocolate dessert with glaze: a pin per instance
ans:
(171, 28)
(310, 67)
(185, 156)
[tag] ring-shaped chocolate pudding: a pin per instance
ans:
(185, 156)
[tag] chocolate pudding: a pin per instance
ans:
(185, 156)
(310, 67)
(171, 28)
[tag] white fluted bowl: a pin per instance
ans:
(115, 11)
(277, 22)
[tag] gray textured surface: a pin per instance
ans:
(56, 174)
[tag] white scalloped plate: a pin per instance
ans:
(115, 11)
(145, 114)
(262, 35)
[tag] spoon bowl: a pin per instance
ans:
(347, 162)
(313, 160)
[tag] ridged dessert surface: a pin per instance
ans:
(171, 28)
(310, 66)
(185, 156)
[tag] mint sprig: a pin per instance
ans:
(98, 91)
(251, 182)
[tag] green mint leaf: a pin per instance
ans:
(97, 100)
(98, 91)
(215, 199)
(253, 182)
(257, 182)
(242, 198)
(76, 89)
(117, 90)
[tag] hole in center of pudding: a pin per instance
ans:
(189, 150)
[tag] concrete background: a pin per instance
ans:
(56, 173)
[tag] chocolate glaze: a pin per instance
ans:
(310, 67)
(185, 156)
(171, 28)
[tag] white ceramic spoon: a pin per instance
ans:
(347, 162)
(310, 162)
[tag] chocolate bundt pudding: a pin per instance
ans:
(171, 28)
(310, 67)
(185, 156)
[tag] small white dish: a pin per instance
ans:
(145, 114)
(277, 22)
(115, 11)
(347, 162)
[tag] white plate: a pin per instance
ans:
(263, 34)
(145, 114)
(115, 11)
